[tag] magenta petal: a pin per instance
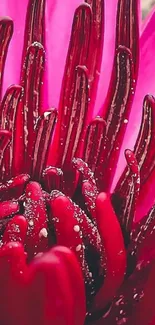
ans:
(147, 19)
(59, 16)
(146, 78)
(17, 11)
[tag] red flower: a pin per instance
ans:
(72, 251)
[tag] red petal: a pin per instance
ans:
(8, 208)
(65, 225)
(15, 230)
(53, 289)
(14, 188)
(78, 286)
(35, 213)
(113, 243)
(12, 273)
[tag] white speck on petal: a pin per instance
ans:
(76, 228)
(43, 233)
(78, 248)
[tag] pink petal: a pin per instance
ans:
(147, 19)
(108, 53)
(145, 85)
(59, 17)
(17, 11)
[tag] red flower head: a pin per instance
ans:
(76, 233)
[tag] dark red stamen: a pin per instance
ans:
(134, 188)
(8, 111)
(35, 25)
(89, 230)
(72, 127)
(6, 31)
(44, 131)
(144, 146)
(18, 159)
(127, 31)
(89, 188)
(5, 138)
(96, 46)
(52, 178)
(94, 138)
(86, 40)
(77, 55)
(32, 81)
(120, 98)
(74, 119)
(143, 232)
(125, 197)
(83, 168)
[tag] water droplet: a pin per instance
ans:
(78, 248)
(76, 228)
(43, 233)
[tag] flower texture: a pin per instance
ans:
(76, 220)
